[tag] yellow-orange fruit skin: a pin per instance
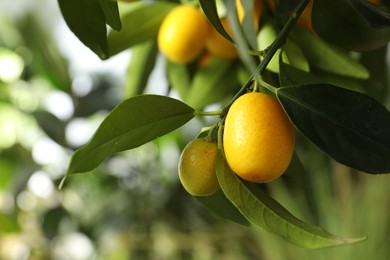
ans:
(258, 138)
(183, 33)
(220, 47)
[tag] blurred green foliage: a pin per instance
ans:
(133, 207)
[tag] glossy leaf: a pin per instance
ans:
(222, 207)
(86, 19)
(132, 123)
(351, 127)
(262, 210)
(142, 61)
(339, 23)
(326, 57)
(111, 13)
(141, 21)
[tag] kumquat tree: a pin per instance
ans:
(273, 113)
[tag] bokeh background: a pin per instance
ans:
(54, 92)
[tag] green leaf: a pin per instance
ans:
(326, 57)
(372, 13)
(351, 127)
(141, 21)
(142, 61)
(262, 210)
(339, 23)
(111, 13)
(133, 122)
(86, 20)
(209, 8)
(211, 83)
(292, 76)
(179, 77)
(222, 207)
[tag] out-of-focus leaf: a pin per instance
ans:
(85, 18)
(289, 76)
(111, 13)
(132, 123)
(378, 85)
(222, 207)
(376, 16)
(351, 127)
(140, 22)
(262, 210)
(48, 61)
(179, 78)
(53, 127)
(143, 58)
(291, 54)
(211, 83)
(327, 57)
(337, 22)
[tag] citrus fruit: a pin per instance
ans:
(197, 167)
(258, 138)
(183, 33)
(218, 46)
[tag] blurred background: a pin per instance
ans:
(54, 92)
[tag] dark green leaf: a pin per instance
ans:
(288, 75)
(373, 14)
(143, 58)
(86, 20)
(222, 207)
(211, 83)
(262, 210)
(351, 127)
(209, 8)
(141, 21)
(132, 123)
(339, 23)
(111, 13)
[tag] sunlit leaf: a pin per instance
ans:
(143, 59)
(262, 210)
(86, 20)
(351, 127)
(339, 23)
(132, 123)
(140, 22)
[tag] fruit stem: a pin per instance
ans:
(208, 113)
